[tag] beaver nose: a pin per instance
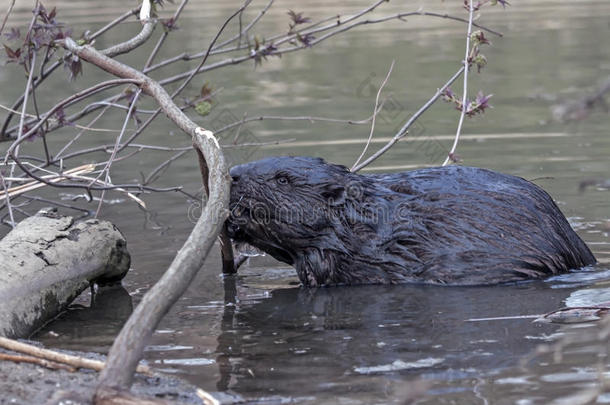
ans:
(235, 173)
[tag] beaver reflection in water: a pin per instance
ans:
(444, 225)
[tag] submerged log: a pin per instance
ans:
(47, 261)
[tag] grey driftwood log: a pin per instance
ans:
(47, 261)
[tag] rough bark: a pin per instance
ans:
(47, 261)
(127, 349)
(226, 247)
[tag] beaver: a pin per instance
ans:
(451, 225)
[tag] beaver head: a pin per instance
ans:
(305, 212)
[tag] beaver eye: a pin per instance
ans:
(282, 180)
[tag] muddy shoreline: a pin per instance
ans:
(23, 383)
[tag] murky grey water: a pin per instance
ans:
(259, 335)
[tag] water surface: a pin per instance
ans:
(259, 335)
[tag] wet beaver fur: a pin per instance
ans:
(445, 225)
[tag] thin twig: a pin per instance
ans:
(154, 175)
(56, 203)
(450, 155)
(23, 112)
(338, 22)
(67, 101)
(402, 132)
(258, 144)
(54, 66)
(192, 74)
(104, 186)
(8, 12)
(333, 29)
(188, 79)
(50, 178)
(25, 95)
(450, 17)
(311, 119)
(375, 110)
(78, 135)
(244, 31)
(114, 23)
(8, 200)
(115, 50)
(92, 180)
(161, 40)
(106, 169)
(84, 127)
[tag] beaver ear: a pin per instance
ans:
(334, 194)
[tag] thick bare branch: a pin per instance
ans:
(129, 345)
(133, 43)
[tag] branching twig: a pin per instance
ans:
(67, 101)
(311, 119)
(129, 345)
(154, 175)
(84, 127)
(403, 131)
(150, 119)
(106, 169)
(450, 155)
(118, 49)
(280, 39)
(161, 40)
(246, 29)
(368, 142)
(78, 135)
(7, 185)
(338, 27)
(228, 266)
